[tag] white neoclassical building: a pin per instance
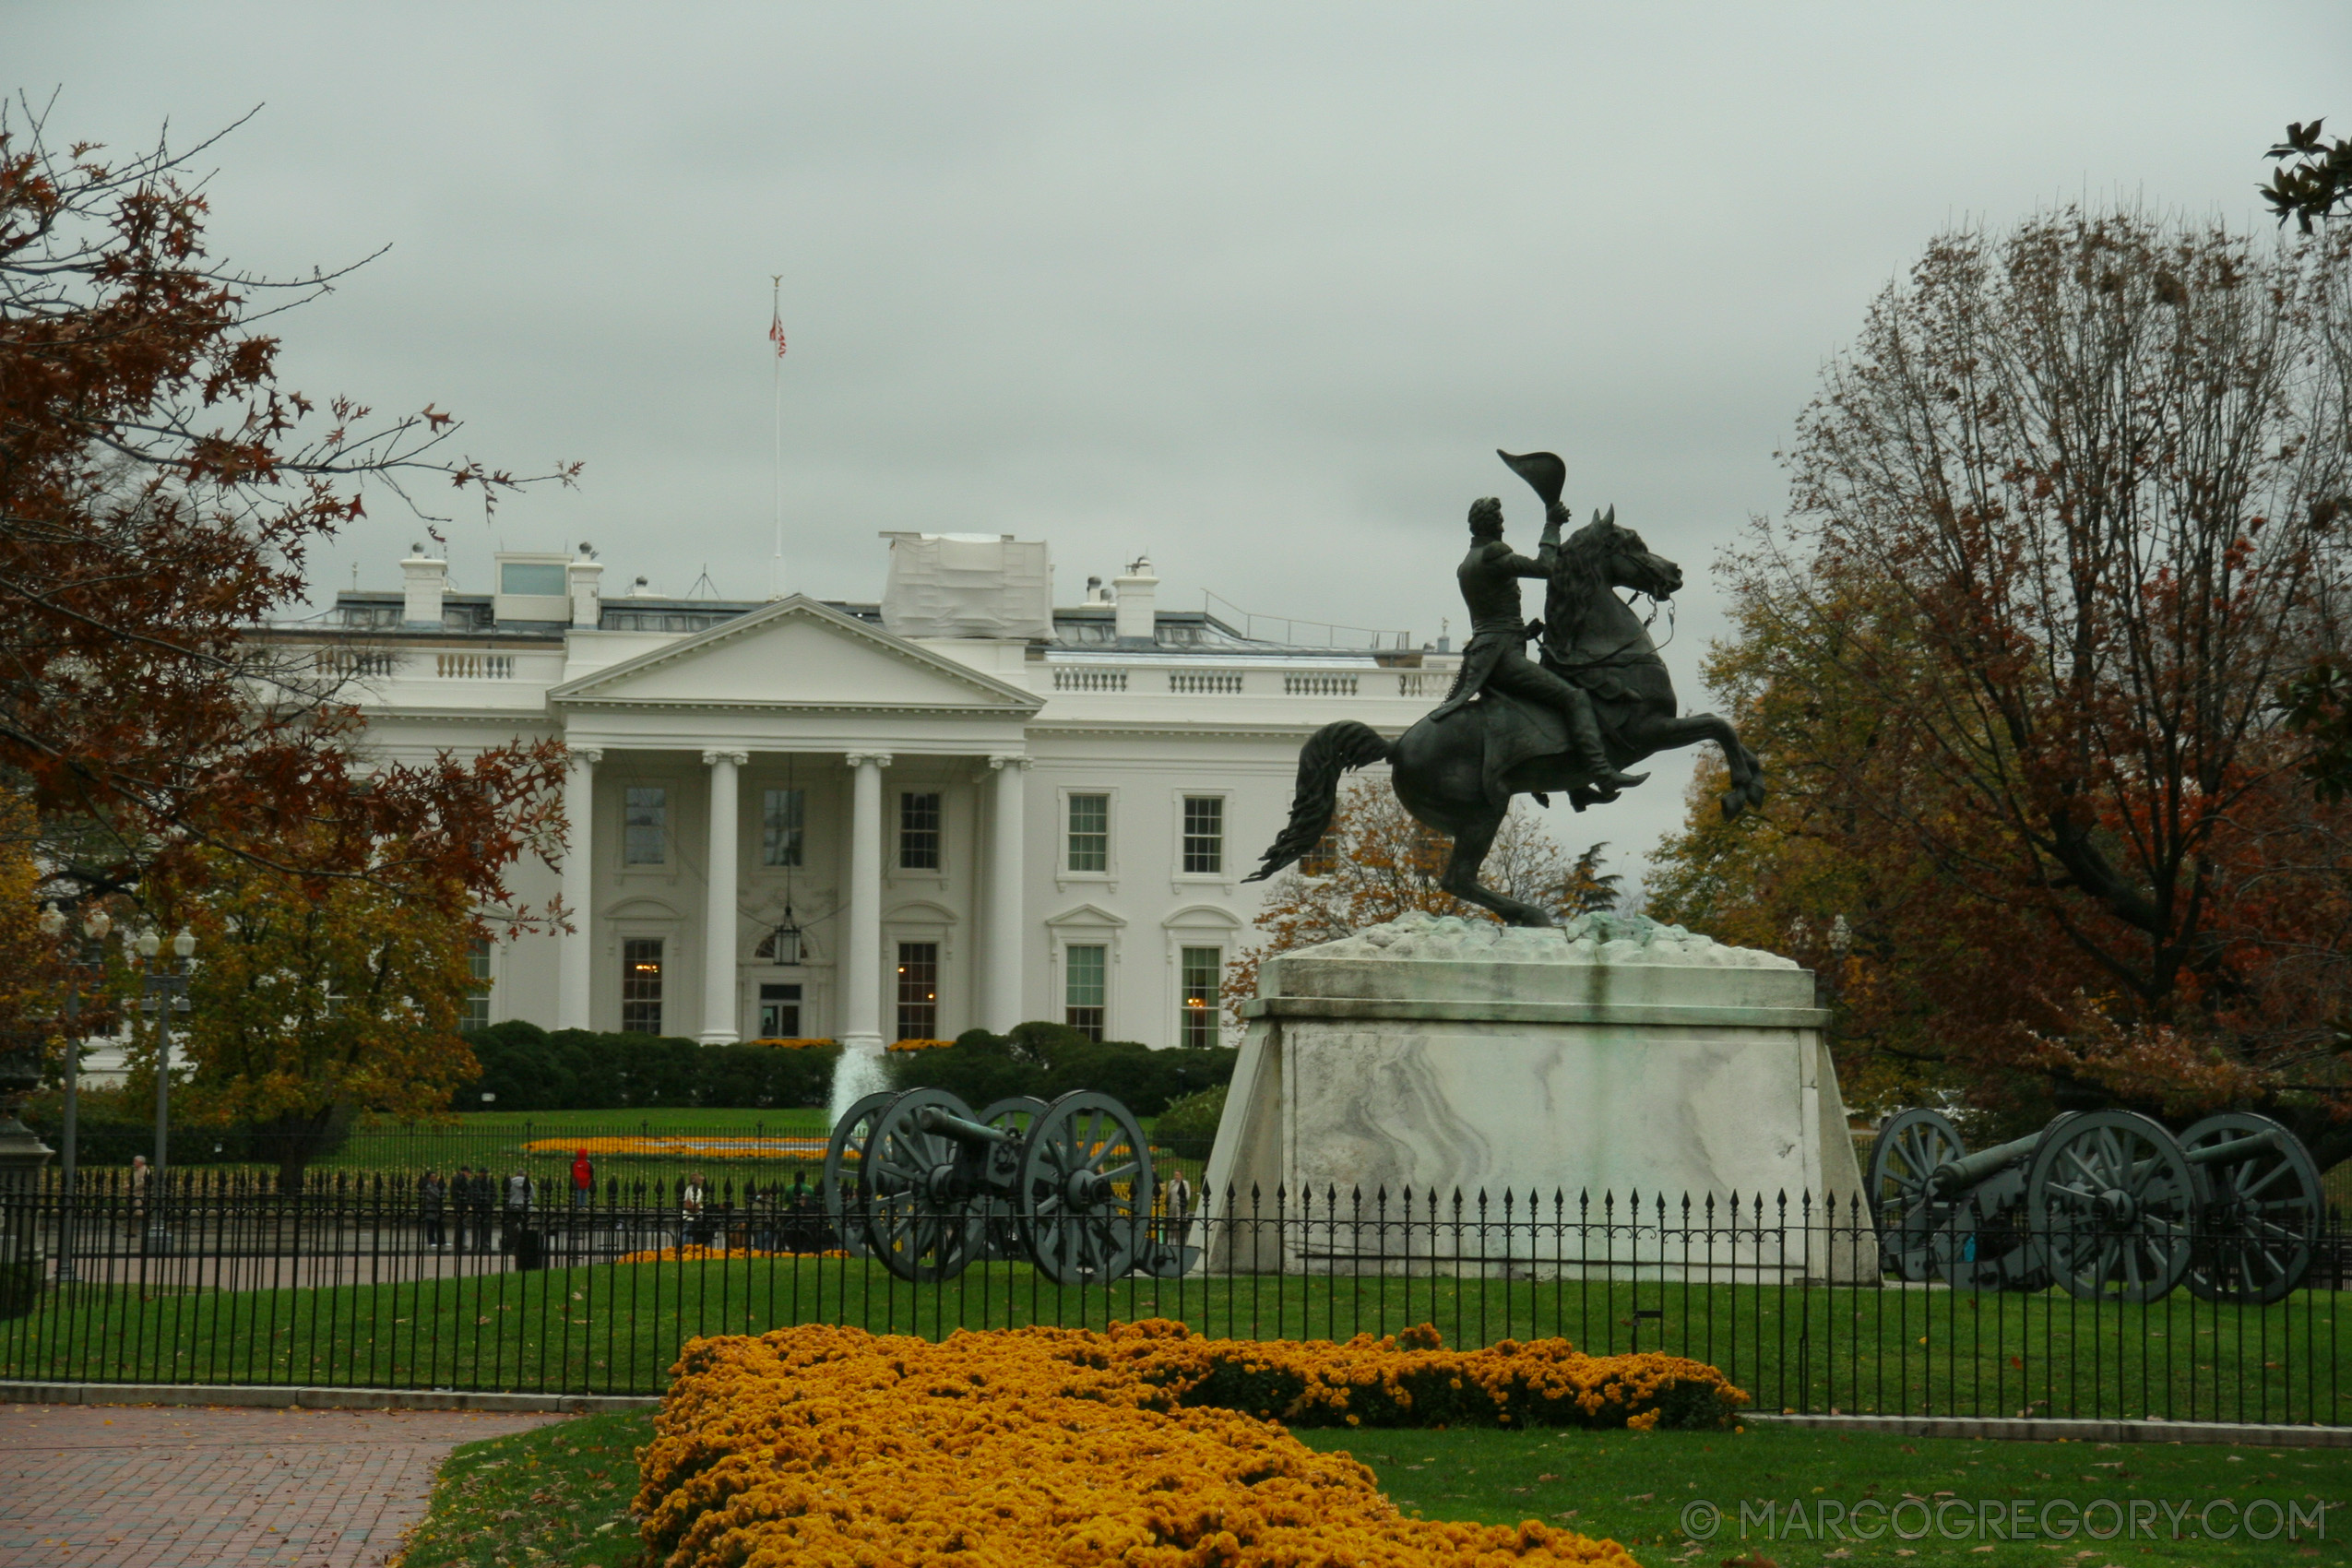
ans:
(959, 805)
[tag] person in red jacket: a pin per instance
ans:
(583, 1178)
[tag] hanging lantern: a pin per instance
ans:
(783, 944)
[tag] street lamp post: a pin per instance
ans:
(85, 960)
(167, 992)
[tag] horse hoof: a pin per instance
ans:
(1733, 801)
(1755, 790)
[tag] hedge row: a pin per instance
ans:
(529, 1069)
(1045, 1060)
(103, 1135)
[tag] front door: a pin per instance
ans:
(779, 1011)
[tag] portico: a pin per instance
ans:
(958, 805)
(797, 759)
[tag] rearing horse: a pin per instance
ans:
(1459, 774)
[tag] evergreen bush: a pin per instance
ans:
(1047, 1060)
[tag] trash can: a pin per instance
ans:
(530, 1249)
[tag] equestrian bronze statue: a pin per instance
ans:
(1597, 700)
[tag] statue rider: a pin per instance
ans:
(1496, 654)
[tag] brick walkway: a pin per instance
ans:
(160, 1487)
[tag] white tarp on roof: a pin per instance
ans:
(966, 584)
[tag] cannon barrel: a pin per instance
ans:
(931, 1118)
(1955, 1176)
(2238, 1149)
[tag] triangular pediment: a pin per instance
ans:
(795, 653)
(1086, 916)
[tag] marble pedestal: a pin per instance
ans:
(1562, 1084)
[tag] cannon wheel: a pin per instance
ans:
(1007, 1231)
(921, 1220)
(2258, 1215)
(1086, 1187)
(841, 1184)
(1910, 1217)
(2116, 1199)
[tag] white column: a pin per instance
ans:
(861, 979)
(1002, 942)
(718, 998)
(575, 962)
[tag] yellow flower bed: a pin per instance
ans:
(696, 1253)
(919, 1045)
(777, 1043)
(830, 1446)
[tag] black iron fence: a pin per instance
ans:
(213, 1278)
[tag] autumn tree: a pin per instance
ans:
(1922, 979)
(158, 492)
(2063, 520)
(316, 999)
(1376, 862)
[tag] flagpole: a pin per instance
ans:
(775, 318)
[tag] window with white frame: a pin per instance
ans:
(782, 814)
(919, 830)
(919, 990)
(1198, 971)
(476, 1013)
(645, 826)
(1204, 850)
(1086, 982)
(1089, 838)
(641, 986)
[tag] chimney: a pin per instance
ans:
(424, 578)
(585, 576)
(1138, 592)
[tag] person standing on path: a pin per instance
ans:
(431, 1195)
(461, 1186)
(690, 1202)
(518, 1210)
(1179, 1193)
(478, 1199)
(139, 1195)
(583, 1178)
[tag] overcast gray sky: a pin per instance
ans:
(1256, 287)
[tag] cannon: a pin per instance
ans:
(918, 1182)
(2108, 1204)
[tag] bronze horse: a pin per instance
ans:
(1459, 774)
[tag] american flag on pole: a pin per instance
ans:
(776, 332)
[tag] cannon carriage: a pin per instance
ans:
(2108, 1204)
(921, 1183)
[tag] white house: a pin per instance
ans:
(872, 822)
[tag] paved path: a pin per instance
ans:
(123, 1486)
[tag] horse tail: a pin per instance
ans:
(1330, 751)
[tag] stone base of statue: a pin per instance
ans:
(1611, 1096)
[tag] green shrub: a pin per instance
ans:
(529, 1069)
(1048, 1060)
(1188, 1128)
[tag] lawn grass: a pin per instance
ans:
(548, 1495)
(616, 1328)
(560, 1493)
(1634, 1487)
(790, 1120)
(503, 1142)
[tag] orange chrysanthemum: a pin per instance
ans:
(830, 1446)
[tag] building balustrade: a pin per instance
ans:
(1089, 680)
(1212, 684)
(474, 666)
(351, 663)
(1319, 686)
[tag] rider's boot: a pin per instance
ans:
(1584, 729)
